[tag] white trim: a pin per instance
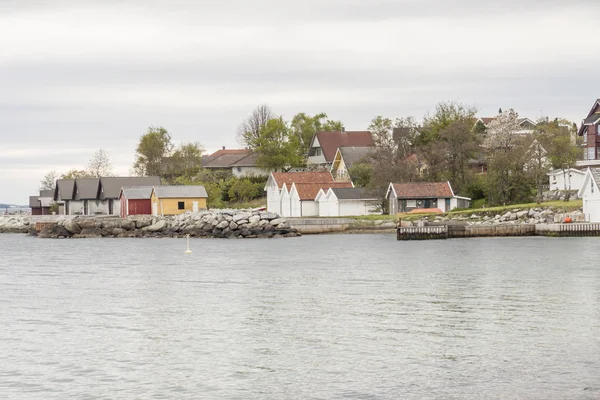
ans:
(560, 171)
(393, 190)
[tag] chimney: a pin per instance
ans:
(223, 147)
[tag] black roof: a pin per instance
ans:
(353, 194)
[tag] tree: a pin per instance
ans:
(445, 114)
(249, 130)
(100, 165)
(332, 126)
(186, 159)
(392, 157)
(277, 148)
(49, 181)
(243, 190)
(360, 174)
(502, 132)
(151, 152)
(304, 127)
(75, 173)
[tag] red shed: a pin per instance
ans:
(135, 200)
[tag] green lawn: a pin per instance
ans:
(561, 205)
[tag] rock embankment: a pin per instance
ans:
(538, 215)
(213, 224)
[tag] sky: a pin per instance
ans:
(81, 75)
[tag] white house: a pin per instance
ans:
(405, 197)
(590, 193)
(340, 202)
(303, 196)
(276, 180)
(566, 179)
(285, 204)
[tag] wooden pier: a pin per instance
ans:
(463, 231)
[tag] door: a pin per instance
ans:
(110, 207)
(195, 206)
(154, 208)
(85, 207)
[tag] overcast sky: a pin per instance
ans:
(77, 76)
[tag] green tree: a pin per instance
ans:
(243, 190)
(360, 174)
(186, 159)
(75, 173)
(445, 113)
(152, 152)
(277, 148)
(332, 126)
(304, 127)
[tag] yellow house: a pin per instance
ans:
(172, 200)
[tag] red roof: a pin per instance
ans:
(422, 190)
(301, 177)
(331, 141)
(308, 191)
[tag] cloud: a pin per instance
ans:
(95, 74)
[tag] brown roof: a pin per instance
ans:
(225, 158)
(248, 160)
(301, 177)
(421, 190)
(331, 141)
(487, 120)
(308, 191)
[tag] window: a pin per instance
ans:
(591, 153)
(181, 205)
(318, 151)
(411, 203)
(554, 178)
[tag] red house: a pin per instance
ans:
(590, 130)
(135, 200)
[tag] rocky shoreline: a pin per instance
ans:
(209, 224)
(535, 215)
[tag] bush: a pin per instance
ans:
(243, 190)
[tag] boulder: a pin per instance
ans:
(277, 221)
(127, 224)
(118, 231)
(255, 219)
(241, 216)
(223, 224)
(143, 222)
(111, 223)
(268, 215)
(72, 226)
(158, 226)
(233, 226)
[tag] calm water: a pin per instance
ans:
(319, 317)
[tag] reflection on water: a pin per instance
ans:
(323, 317)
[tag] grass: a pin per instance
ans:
(256, 203)
(566, 205)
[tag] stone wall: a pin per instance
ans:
(215, 224)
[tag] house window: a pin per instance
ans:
(318, 151)
(591, 153)
(181, 205)
(411, 203)
(554, 178)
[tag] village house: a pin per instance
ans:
(299, 200)
(241, 162)
(590, 131)
(276, 181)
(526, 126)
(405, 197)
(95, 196)
(324, 145)
(174, 200)
(40, 205)
(135, 201)
(590, 193)
(344, 158)
(341, 202)
(565, 179)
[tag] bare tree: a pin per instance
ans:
(49, 181)
(502, 132)
(248, 131)
(100, 165)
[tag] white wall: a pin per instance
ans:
(355, 207)
(560, 181)
(285, 205)
(328, 207)
(75, 207)
(310, 208)
(97, 207)
(591, 202)
(316, 159)
(273, 199)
